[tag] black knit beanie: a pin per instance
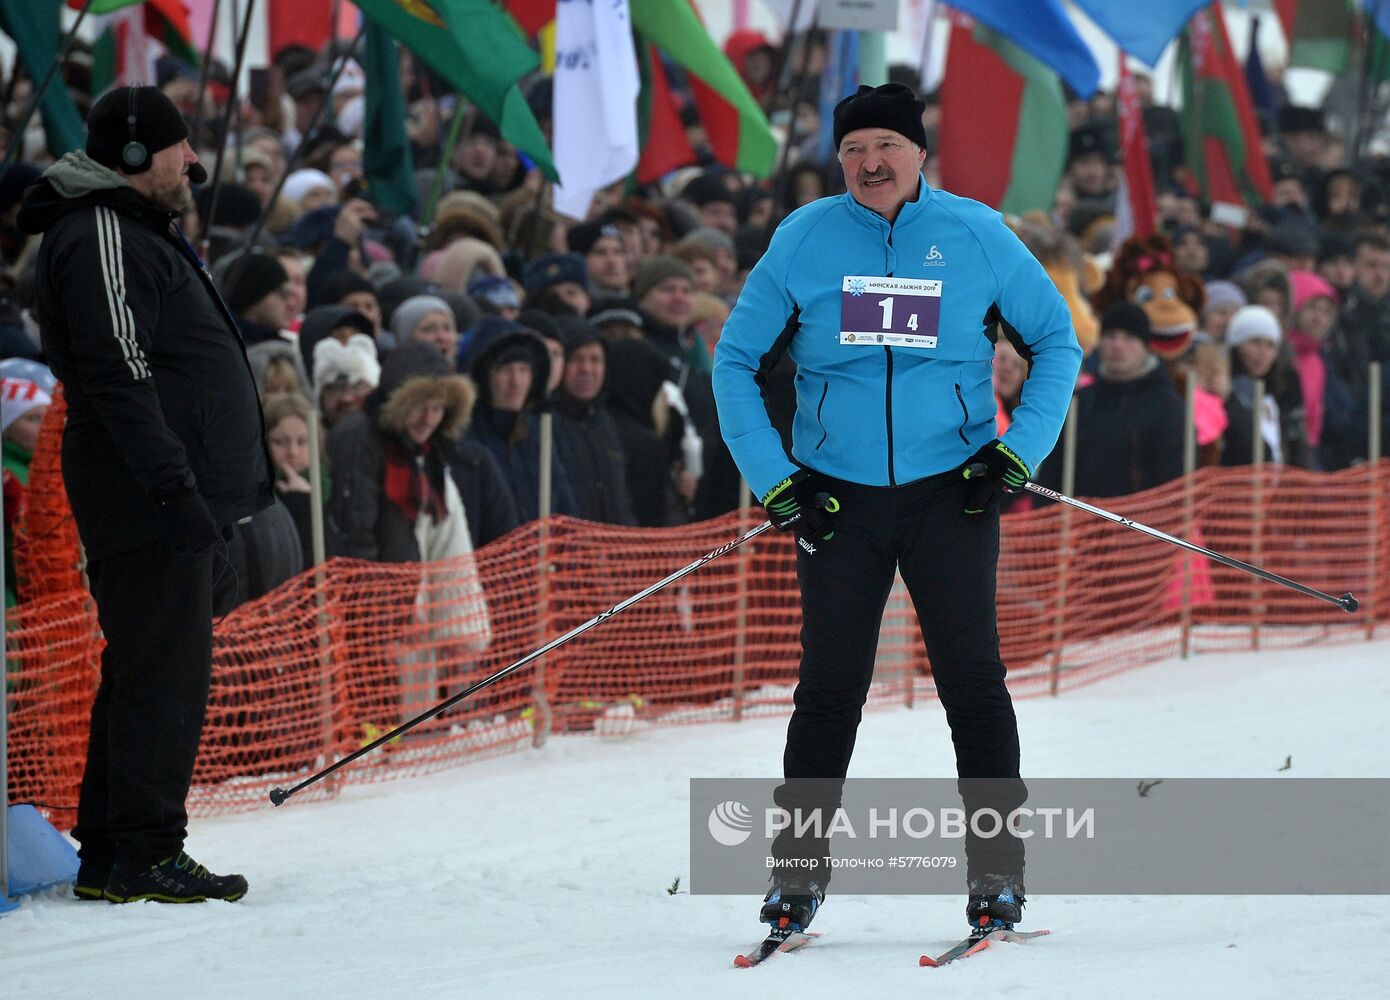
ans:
(158, 125)
(891, 106)
(252, 278)
(1129, 317)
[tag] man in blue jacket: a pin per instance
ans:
(889, 299)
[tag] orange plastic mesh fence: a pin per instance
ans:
(340, 655)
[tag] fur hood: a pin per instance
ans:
(415, 374)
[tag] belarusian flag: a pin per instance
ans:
(1220, 137)
(737, 128)
(479, 50)
(1136, 208)
(164, 21)
(1003, 131)
(1319, 32)
(660, 132)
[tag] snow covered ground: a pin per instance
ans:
(544, 874)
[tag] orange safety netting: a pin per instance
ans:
(340, 655)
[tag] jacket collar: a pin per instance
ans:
(908, 213)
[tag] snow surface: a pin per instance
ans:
(544, 873)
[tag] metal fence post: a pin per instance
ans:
(1189, 472)
(1257, 510)
(1372, 479)
(1064, 553)
(745, 553)
(541, 723)
(325, 654)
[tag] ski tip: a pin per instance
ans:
(927, 962)
(742, 962)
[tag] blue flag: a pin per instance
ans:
(1380, 13)
(1043, 30)
(1142, 29)
(840, 79)
(1262, 95)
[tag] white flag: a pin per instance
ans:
(595, 109)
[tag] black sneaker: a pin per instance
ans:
(177, 879)
(996, 902)
(92, 877)
(790, 905)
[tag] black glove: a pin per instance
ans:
(992, 470)
(188, 522)
(800, 503)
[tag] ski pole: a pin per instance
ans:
(1346, 602)
(279, 795)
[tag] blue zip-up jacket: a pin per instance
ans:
(884, 415)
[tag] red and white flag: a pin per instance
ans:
(1136, 209)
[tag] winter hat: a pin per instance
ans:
(301, 182)
(394, 292)
(338, 286)
(1223, 293)
(1251, 322)
(494, 293)
(1128, 317)
(1306, 286)
(30, 371)
(354, 362)
(553, 269)
(708, 188)
(409, 313)
(891, 106)
(582, 238)
(251, 278)
(466, 312)
(319, 324)
(655, 270)
(157, 126)
(17, 397)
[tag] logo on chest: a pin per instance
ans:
(933, 258)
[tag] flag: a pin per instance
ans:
(1221, 140)
(737, 128)
(1143, 28)
(122, 54)
(1136, 208)
(474, 46)
(386, 156)
(1042, 29)
(166, 21)
(840, 79)
(33, 25)
(1003, 131)
(1319, 32)
(660, 132)
(596, 85)
(1262, 96)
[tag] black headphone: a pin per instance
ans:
(134, 154)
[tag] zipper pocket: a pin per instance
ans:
(820, 406)
(964, 415)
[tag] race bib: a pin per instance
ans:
(890, 312)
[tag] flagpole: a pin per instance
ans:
(203, 73)
(222, 133)
(17, 136)
(793, 86)
(437, 187)
(292, 163)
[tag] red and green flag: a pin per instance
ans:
(737, 128)
(163, 21)
(479, 49)
(1003, 130)
(33, 25)
(1319, 32)
(1221, 139)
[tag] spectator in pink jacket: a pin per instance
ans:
(1315, 304)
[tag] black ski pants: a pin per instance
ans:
(155, 609)
(947, 560)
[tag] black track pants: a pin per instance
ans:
(947, 560)
(155, 609)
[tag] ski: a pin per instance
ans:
(772, 945)
(973, 945)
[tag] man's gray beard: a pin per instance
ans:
(180, 199)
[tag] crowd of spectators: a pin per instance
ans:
(430, 352)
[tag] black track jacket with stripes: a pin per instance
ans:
(159, 394)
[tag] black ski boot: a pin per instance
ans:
(177, 879)
(996, 903)
(791, 904)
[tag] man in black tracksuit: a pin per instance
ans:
(163, 452)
